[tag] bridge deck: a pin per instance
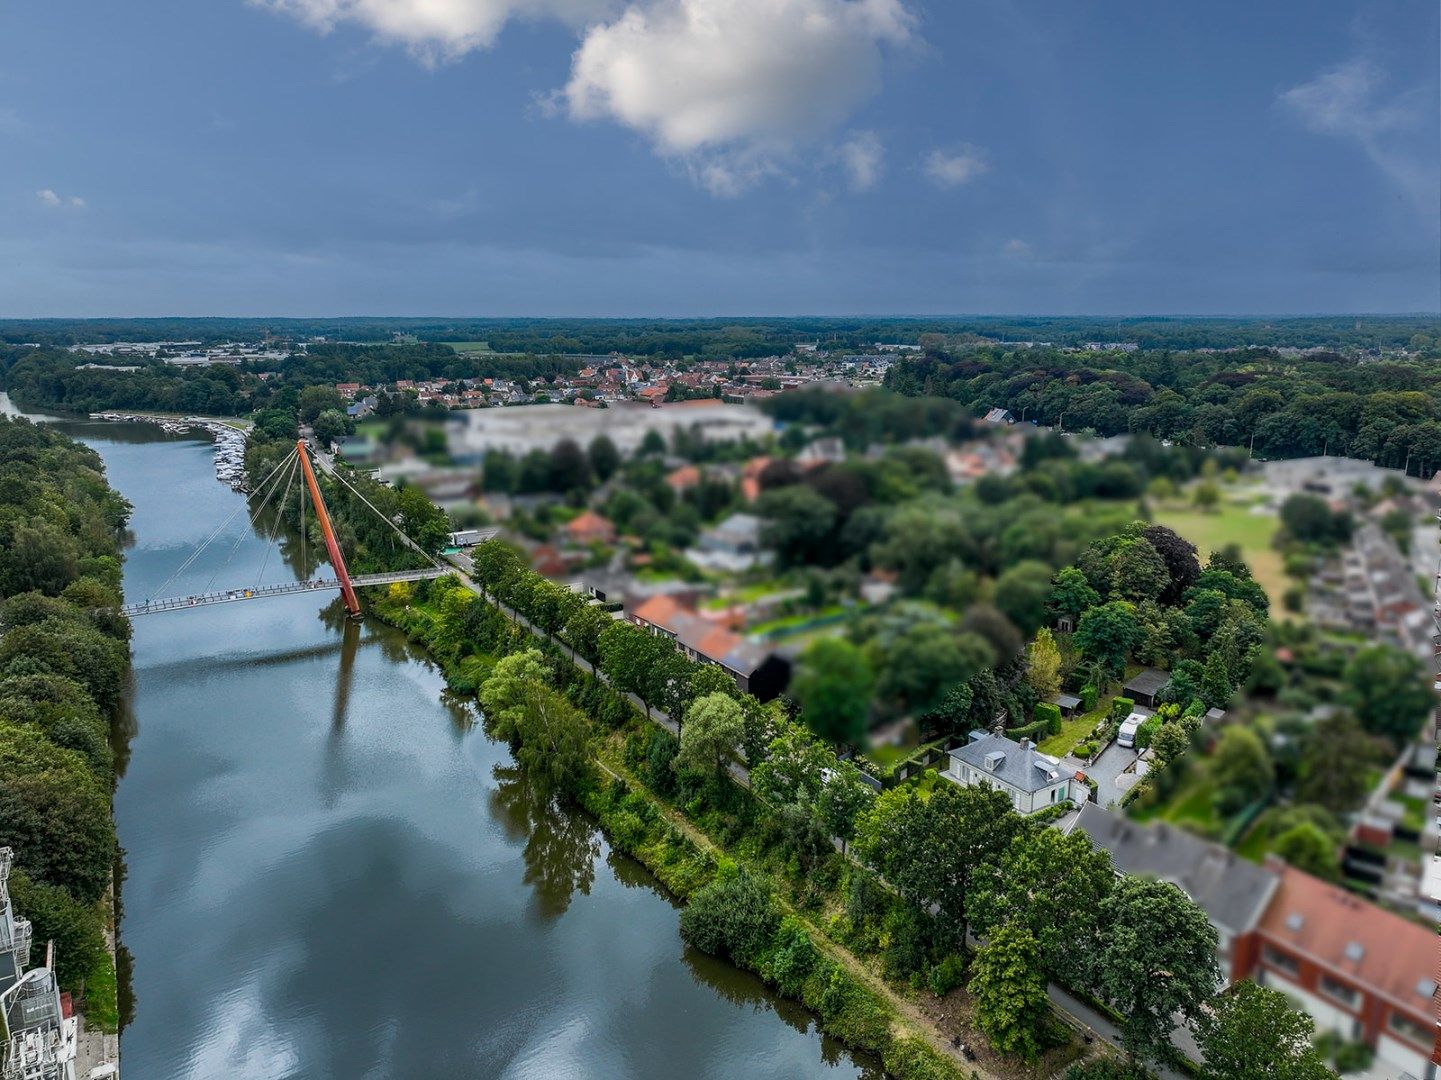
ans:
(231, 596)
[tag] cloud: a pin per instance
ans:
(733, 87)
(56, 201)
(728, 89)
(863, 158)
(1350, 102)
(1016, 248)
(952, 168)
(438, 30)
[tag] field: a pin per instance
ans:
(1211, 530)
(469, 346)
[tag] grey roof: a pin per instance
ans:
(1231, 890)
(1148, 681)
(1066, 701)
(1028, 769)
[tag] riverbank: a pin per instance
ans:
(693, 838)
(229, 437)
(64, 674)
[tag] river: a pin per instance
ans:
(333, 872)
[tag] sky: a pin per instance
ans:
(718, 157)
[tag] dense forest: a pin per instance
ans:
(1279, 406)
(743, 337)
(64, 667)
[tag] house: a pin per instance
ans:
(588, 527)
(1143, 687)
(683, 479)
(358, 450)
(824, 451)
(756, 669)
(1356, 968)
(1033, 780)
(751, 478)
(1232, 891)
(734, 545)
(999, 416)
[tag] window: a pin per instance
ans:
(1339, 991)
(1281, 961)
(1408, 1029)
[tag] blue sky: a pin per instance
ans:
(714, 157)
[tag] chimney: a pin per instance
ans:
(1025, 744)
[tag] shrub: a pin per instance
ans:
(733, 916)
(794, 958)
(1353, 1057)
(1121, 708)
(912, 1058)
(947, 975)
(1089, 696)
(1049, 714)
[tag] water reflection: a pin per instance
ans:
(561, 845)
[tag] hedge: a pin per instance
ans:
(1049, 713)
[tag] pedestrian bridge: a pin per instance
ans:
(232, 596)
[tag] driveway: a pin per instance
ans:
(1110, 773)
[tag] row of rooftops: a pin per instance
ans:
(1375, 948)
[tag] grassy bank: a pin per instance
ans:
(696, 837)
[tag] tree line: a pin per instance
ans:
(64, 668)
(935, 866)
(1280, 406)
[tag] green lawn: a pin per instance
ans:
(1193, 803)
(1073, 731)
(469, 346)
(1232, 524)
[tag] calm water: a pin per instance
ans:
(334, 873)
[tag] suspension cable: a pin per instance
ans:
(401, 532)
(279, 519)
(254, 517)
(219, 529)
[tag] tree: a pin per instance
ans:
(1056, 885)
(57, 917)
(1216, 686)
(583, 629)
(330, 426)
(627, 656)
(1107, 633)
(1137, 571)
(932, 849)
(1241, 769)
(604, 457)
(55, 814)
(1168, 743)
(314, 400)
(1336, 756)
(1306, 847)
(554, 743)
(713, 728)
(1179, 554)
(733, 916)
(1043, 665)
(512, 682)
(798, 522)
(794, 771)
(842, 802)
(1022, 591)
(1072, 595)
(1252, 1033)
(1010, 992)
(569, 467)
(989, 624)
(833, 686)
(1158, 959)
(1308, 519)
(925, 661)
(1390, 691)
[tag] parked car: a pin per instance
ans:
(1127, 735)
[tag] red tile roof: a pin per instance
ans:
(1365, 944)
(659, 610)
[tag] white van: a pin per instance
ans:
(1127, 735)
